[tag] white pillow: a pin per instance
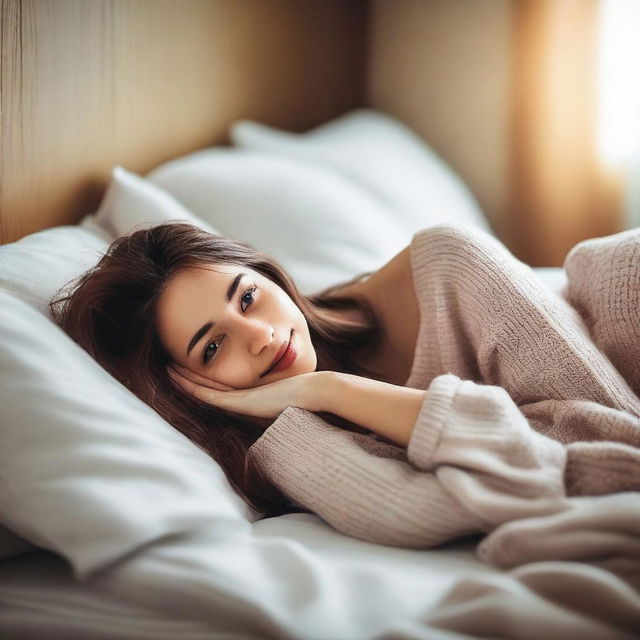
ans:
(87, 469)
(36, 266)
(380, 154)
(319, 226)
(131, 202)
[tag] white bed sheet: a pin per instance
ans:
(335, 587)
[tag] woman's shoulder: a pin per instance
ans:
(395, 272)
(392, 283)
(397, 269)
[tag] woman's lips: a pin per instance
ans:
(288, 358)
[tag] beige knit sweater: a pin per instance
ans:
(524, 406)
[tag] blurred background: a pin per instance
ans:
(534, 103)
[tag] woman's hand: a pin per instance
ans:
(266, 401)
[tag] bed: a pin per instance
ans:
(113, 525)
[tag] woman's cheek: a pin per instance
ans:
(233, 374)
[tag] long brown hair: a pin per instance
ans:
(110, 311)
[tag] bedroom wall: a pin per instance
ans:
(88, 85)
(506, 91)
(444, 68)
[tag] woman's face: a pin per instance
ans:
(228, 323)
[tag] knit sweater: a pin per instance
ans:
(524, 406)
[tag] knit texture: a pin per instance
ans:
(604, 286)
(524, 406)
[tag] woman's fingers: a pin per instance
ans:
(214, 397)
(188, 385)
(205, 392)
(200, 379)
(191, 375)
(198, 390)
(265, 401)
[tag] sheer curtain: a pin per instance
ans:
(575, 74)
(619, 97)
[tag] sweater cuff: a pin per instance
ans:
(430, 423)
(286, 421)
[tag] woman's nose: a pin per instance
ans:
(260, 335)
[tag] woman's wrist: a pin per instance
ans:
(321, 391)
(383, 408)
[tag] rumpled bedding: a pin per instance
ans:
(558, 593)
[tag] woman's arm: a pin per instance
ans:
(387, 409)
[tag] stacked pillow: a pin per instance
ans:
(382, 156)
(320, 227)
(131, 202)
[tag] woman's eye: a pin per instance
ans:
(209, 351)
(249, 293)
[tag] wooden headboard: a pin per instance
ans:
(492, 87)
(89, 85)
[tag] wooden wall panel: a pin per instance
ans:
(88, 85)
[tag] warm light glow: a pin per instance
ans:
(619, 81)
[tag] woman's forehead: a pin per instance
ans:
(190, 281)
(210, 273)
(204, 269)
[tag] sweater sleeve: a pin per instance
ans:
(362, 487)
(484, 452)
(603, 285)
(472, 463)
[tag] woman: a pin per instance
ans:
(130, 313)
(447, 355)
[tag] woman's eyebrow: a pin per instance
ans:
(233, 287)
